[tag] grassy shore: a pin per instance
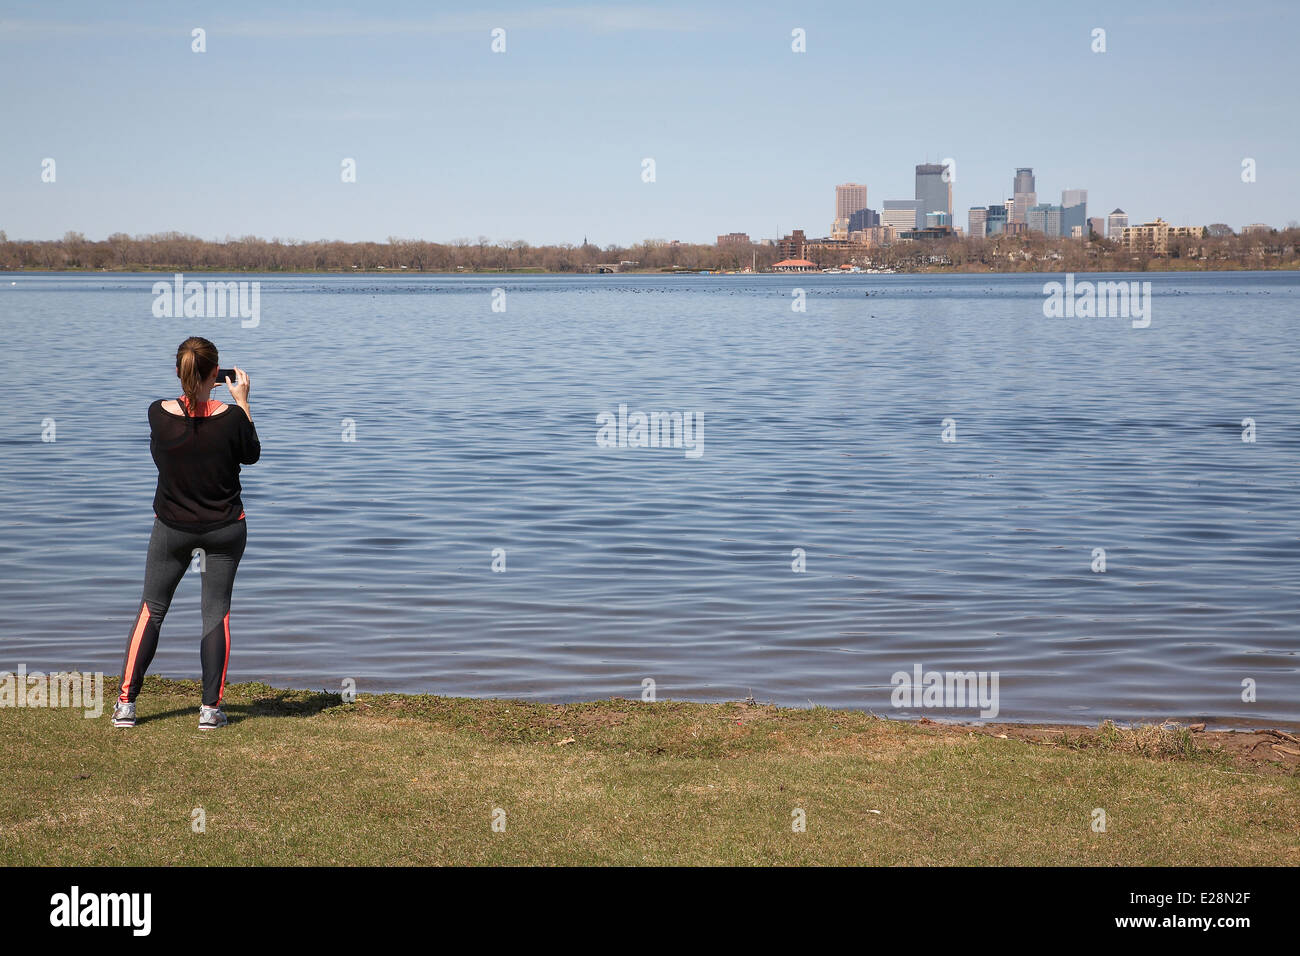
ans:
(300, 777)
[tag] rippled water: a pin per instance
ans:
(476, 430)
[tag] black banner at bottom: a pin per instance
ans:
(124, 906)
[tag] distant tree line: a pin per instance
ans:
(176, 252)
(1279, 249)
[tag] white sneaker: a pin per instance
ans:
(124, 714)
(210, 718)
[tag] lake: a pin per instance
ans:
(818, 537)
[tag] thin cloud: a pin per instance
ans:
(1189, 19)
(597, 19)
(592, 19)
(67, 28)
(348, 116)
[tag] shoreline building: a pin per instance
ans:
(835, 253)
(933, 191)
(1023, 194)
(1154, 236)
(795, 265)
(1116, 223)
(791, 246)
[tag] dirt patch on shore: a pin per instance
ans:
(1260, 751)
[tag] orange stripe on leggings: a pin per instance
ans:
(225, 621)
(138, 633)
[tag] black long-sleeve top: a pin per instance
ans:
(198, 461)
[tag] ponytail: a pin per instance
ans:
(196, 359)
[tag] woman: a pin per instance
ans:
(198, 445)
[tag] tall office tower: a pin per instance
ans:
(1023, 193)
(1116, 222)
(977, 221)
(849, 198)
(1074, 211)
(995, 223)
(1097, 226)
(902, 214)
(933, 190)
(1044, 218)
(863, 219)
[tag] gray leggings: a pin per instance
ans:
(170, 554)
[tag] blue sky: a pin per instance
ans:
(545, 142)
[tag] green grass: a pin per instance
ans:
(300, 777)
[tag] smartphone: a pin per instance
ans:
(226, 373)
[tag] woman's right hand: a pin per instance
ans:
(239, 388)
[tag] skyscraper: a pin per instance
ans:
(902, 214)
(1074, 211)
(1023, 194)
(863, 219)
(933, 190)
(1044, 218)
(977, 221)
(849, 198)
(995, 221)
(1116, 222)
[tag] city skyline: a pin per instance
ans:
(547, 141)
(933, 209)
